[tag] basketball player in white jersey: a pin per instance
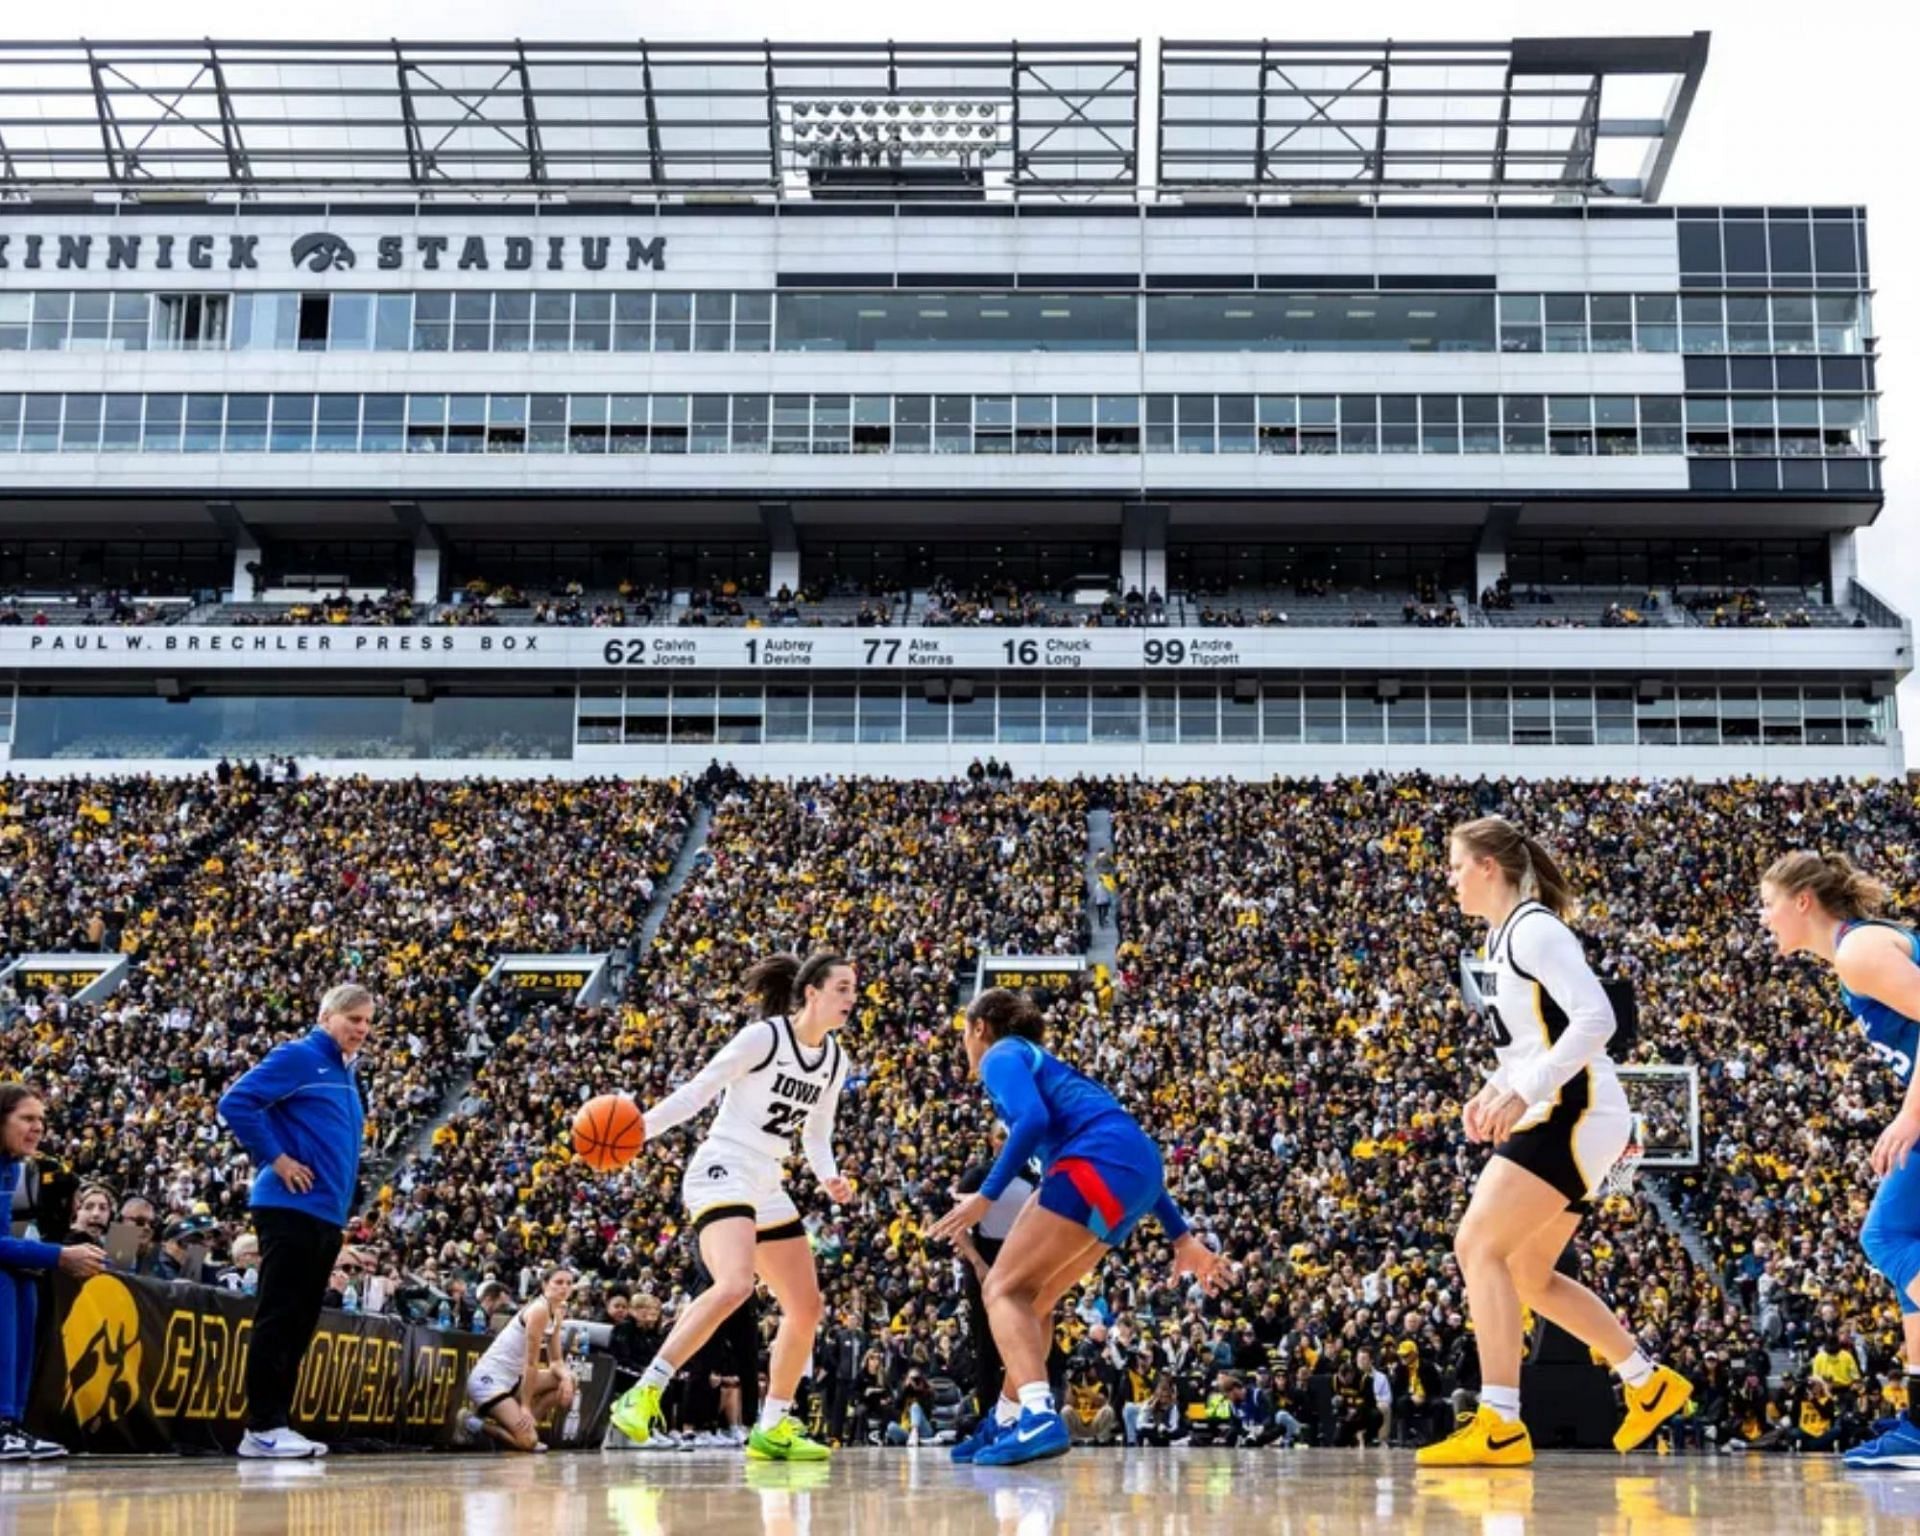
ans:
(1558, 1120)
(511, 1386)
(782, 1076)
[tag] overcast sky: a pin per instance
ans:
(1800, 104)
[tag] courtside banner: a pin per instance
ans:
(131, 1365)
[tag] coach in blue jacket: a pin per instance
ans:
(298, 1114)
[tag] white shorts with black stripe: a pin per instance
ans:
(724, 1179)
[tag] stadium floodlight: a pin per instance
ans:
(916, 109)
(846, 109)
(869, 109)
(801, 109)
(940, 109)
(892, 109)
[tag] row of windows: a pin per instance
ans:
(1695, 323)
(890, 321)
(641, 321)
(1800, 426)
(1643, 563)
(1760, 248)
(1577, 715)
(47, 723)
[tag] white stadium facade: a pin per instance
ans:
(1178, 338)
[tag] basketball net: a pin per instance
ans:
(1619, 1179)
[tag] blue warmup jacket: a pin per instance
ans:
(303, 1100)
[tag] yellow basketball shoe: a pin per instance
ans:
(1484, 1440)
(1651, 1404)
(638, 1416)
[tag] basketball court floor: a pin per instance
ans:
(920, 1493)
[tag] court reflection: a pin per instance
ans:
(1194, 1493)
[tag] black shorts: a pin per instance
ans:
(1546, 1152)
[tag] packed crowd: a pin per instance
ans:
(236, 905)
(1287, 1024)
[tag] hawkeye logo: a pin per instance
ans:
(101, 1338)
(322, 252)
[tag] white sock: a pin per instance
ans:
(1035, 1398)
(659, 1373)
(773, 1410)
(1504, 1401)
(1635, 1369)
(1006, 1411)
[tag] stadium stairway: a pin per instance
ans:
(1103, 947)
(692, 846)
(1691, 1238)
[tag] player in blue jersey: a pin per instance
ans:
(1100, 1174)
(1819, 904)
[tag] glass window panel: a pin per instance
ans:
(1366, 716)
(246, 423)
(120, 427)
(1115, 712)
(512, 322)
(787, 712)
(1447, 716)
(1280, 713)
(206, 415)
(927, 719)
(592, 322)
(552, 322)
(1066, 713)
(1325, 711)
(165, 416)
(292, 424)
(1019, 713)
(1490, 715)
(337, 424)
(1407, 718)
(974, 721)
(1199, 713)
(392, 322)
(1239, 719)
(1162, 711)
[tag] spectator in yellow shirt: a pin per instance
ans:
(1834, 1364)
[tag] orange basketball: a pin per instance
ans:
(608, 1132)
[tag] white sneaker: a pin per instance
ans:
(44, 1450)
(283, 1444)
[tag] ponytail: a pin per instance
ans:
(1525, 861)
(779, 983)
(1006, 1012)
(1832, 879)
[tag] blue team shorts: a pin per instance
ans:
(1105, 1182)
